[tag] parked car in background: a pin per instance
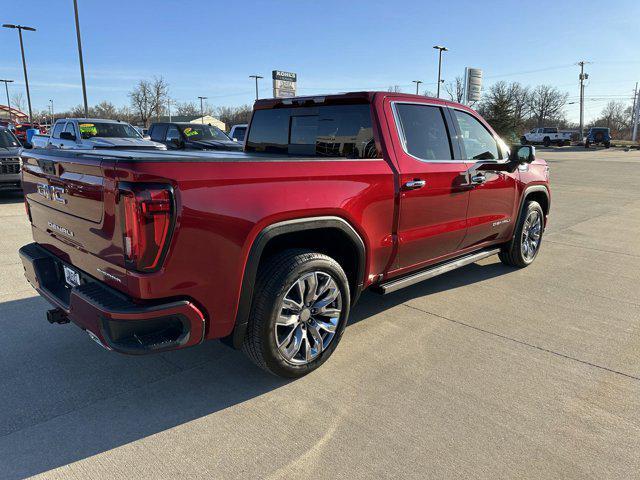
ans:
(9, 160)
(598, 136)
(191, 136)
(94, 133)
(546, 136)
(20, 130)
(238, 132)
(269, 248)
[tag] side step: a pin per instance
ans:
(413, 278)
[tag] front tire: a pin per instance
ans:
(524, 141)
(300, 309)
(546, 142)
(607, 144)
(522, 250)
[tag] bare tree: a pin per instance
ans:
(105, 110)
(394, 89)
(149, 98)
(234, 115)
(18, 101)
(187, 109)
(546, 103)
(455, 90)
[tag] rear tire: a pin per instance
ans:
(586, 144)
(607, 144)
(524, 141)
(292, 331)
(522, 250)
(546, 142)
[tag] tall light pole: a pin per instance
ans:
(52, 116)
(417, 82)
(583, 76)
(202, 99)
(257, 77)
(6, 88)
(84, 85)
(441, 49)
(24, 62)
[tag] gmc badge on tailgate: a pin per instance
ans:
(52, 193)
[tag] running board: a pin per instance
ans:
(413, 278)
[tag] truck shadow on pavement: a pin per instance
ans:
(65, 399)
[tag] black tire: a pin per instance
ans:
(524, 141)
(275, 278)
(546, 141)
(607, 144)
(512, 253)
(586, 144)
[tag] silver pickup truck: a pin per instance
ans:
(94, 133)
(10, 162)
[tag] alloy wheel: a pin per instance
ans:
(531, 235)
(308, 318)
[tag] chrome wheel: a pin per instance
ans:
(531, 235)
(308, 318)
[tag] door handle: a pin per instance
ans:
(414, 184)
(478, 178)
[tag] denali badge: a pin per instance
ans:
(60, 229)
(52, 193)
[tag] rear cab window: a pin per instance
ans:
(57, 129)
(343, 131)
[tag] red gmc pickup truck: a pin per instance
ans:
(269, 248)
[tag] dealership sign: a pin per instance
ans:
(472, 84)
(284, 84)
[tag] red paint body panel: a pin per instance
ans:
(222, 205)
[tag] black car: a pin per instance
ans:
(192, 136)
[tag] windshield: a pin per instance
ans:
(119, 130)
(7, 139)
(203, 132)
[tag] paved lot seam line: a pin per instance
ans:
(521, 342)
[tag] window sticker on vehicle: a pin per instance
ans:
(190, 132)
(88, 128)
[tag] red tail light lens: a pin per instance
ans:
(148, 213)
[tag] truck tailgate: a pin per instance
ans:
(71, 199)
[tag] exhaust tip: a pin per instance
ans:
(58, 316)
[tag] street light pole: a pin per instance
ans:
(583, 76)
(202, 109)
(6, 88)
(84, 85)
(257, 77)
(441, 49)
(24, 62)
(417, 82)
(52, 115)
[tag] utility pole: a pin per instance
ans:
(52, 116)
(634, 135)
(202, 99)
(24, 62)
(417, 82)
(6, 88)
(583, 76)
(169, 107)
(84, 85)
(633, 109)
(441, 49)
(257, 77)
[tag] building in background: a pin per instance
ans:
(207, 120)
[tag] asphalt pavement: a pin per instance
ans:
(485, 372)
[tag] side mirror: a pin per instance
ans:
(67, 136)
(523, 154)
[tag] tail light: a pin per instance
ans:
(148, 220)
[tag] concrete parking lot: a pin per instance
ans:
(485, 372)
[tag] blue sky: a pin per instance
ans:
(209, 47)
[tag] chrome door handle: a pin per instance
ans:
(414, 184)
(478, 178)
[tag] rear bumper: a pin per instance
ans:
(118, 322)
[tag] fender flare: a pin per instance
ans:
(280, 228)
(527, 191)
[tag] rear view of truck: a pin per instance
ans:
(98, 239)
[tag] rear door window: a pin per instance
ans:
(157, 132)
(424, 131)
(343, 131)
